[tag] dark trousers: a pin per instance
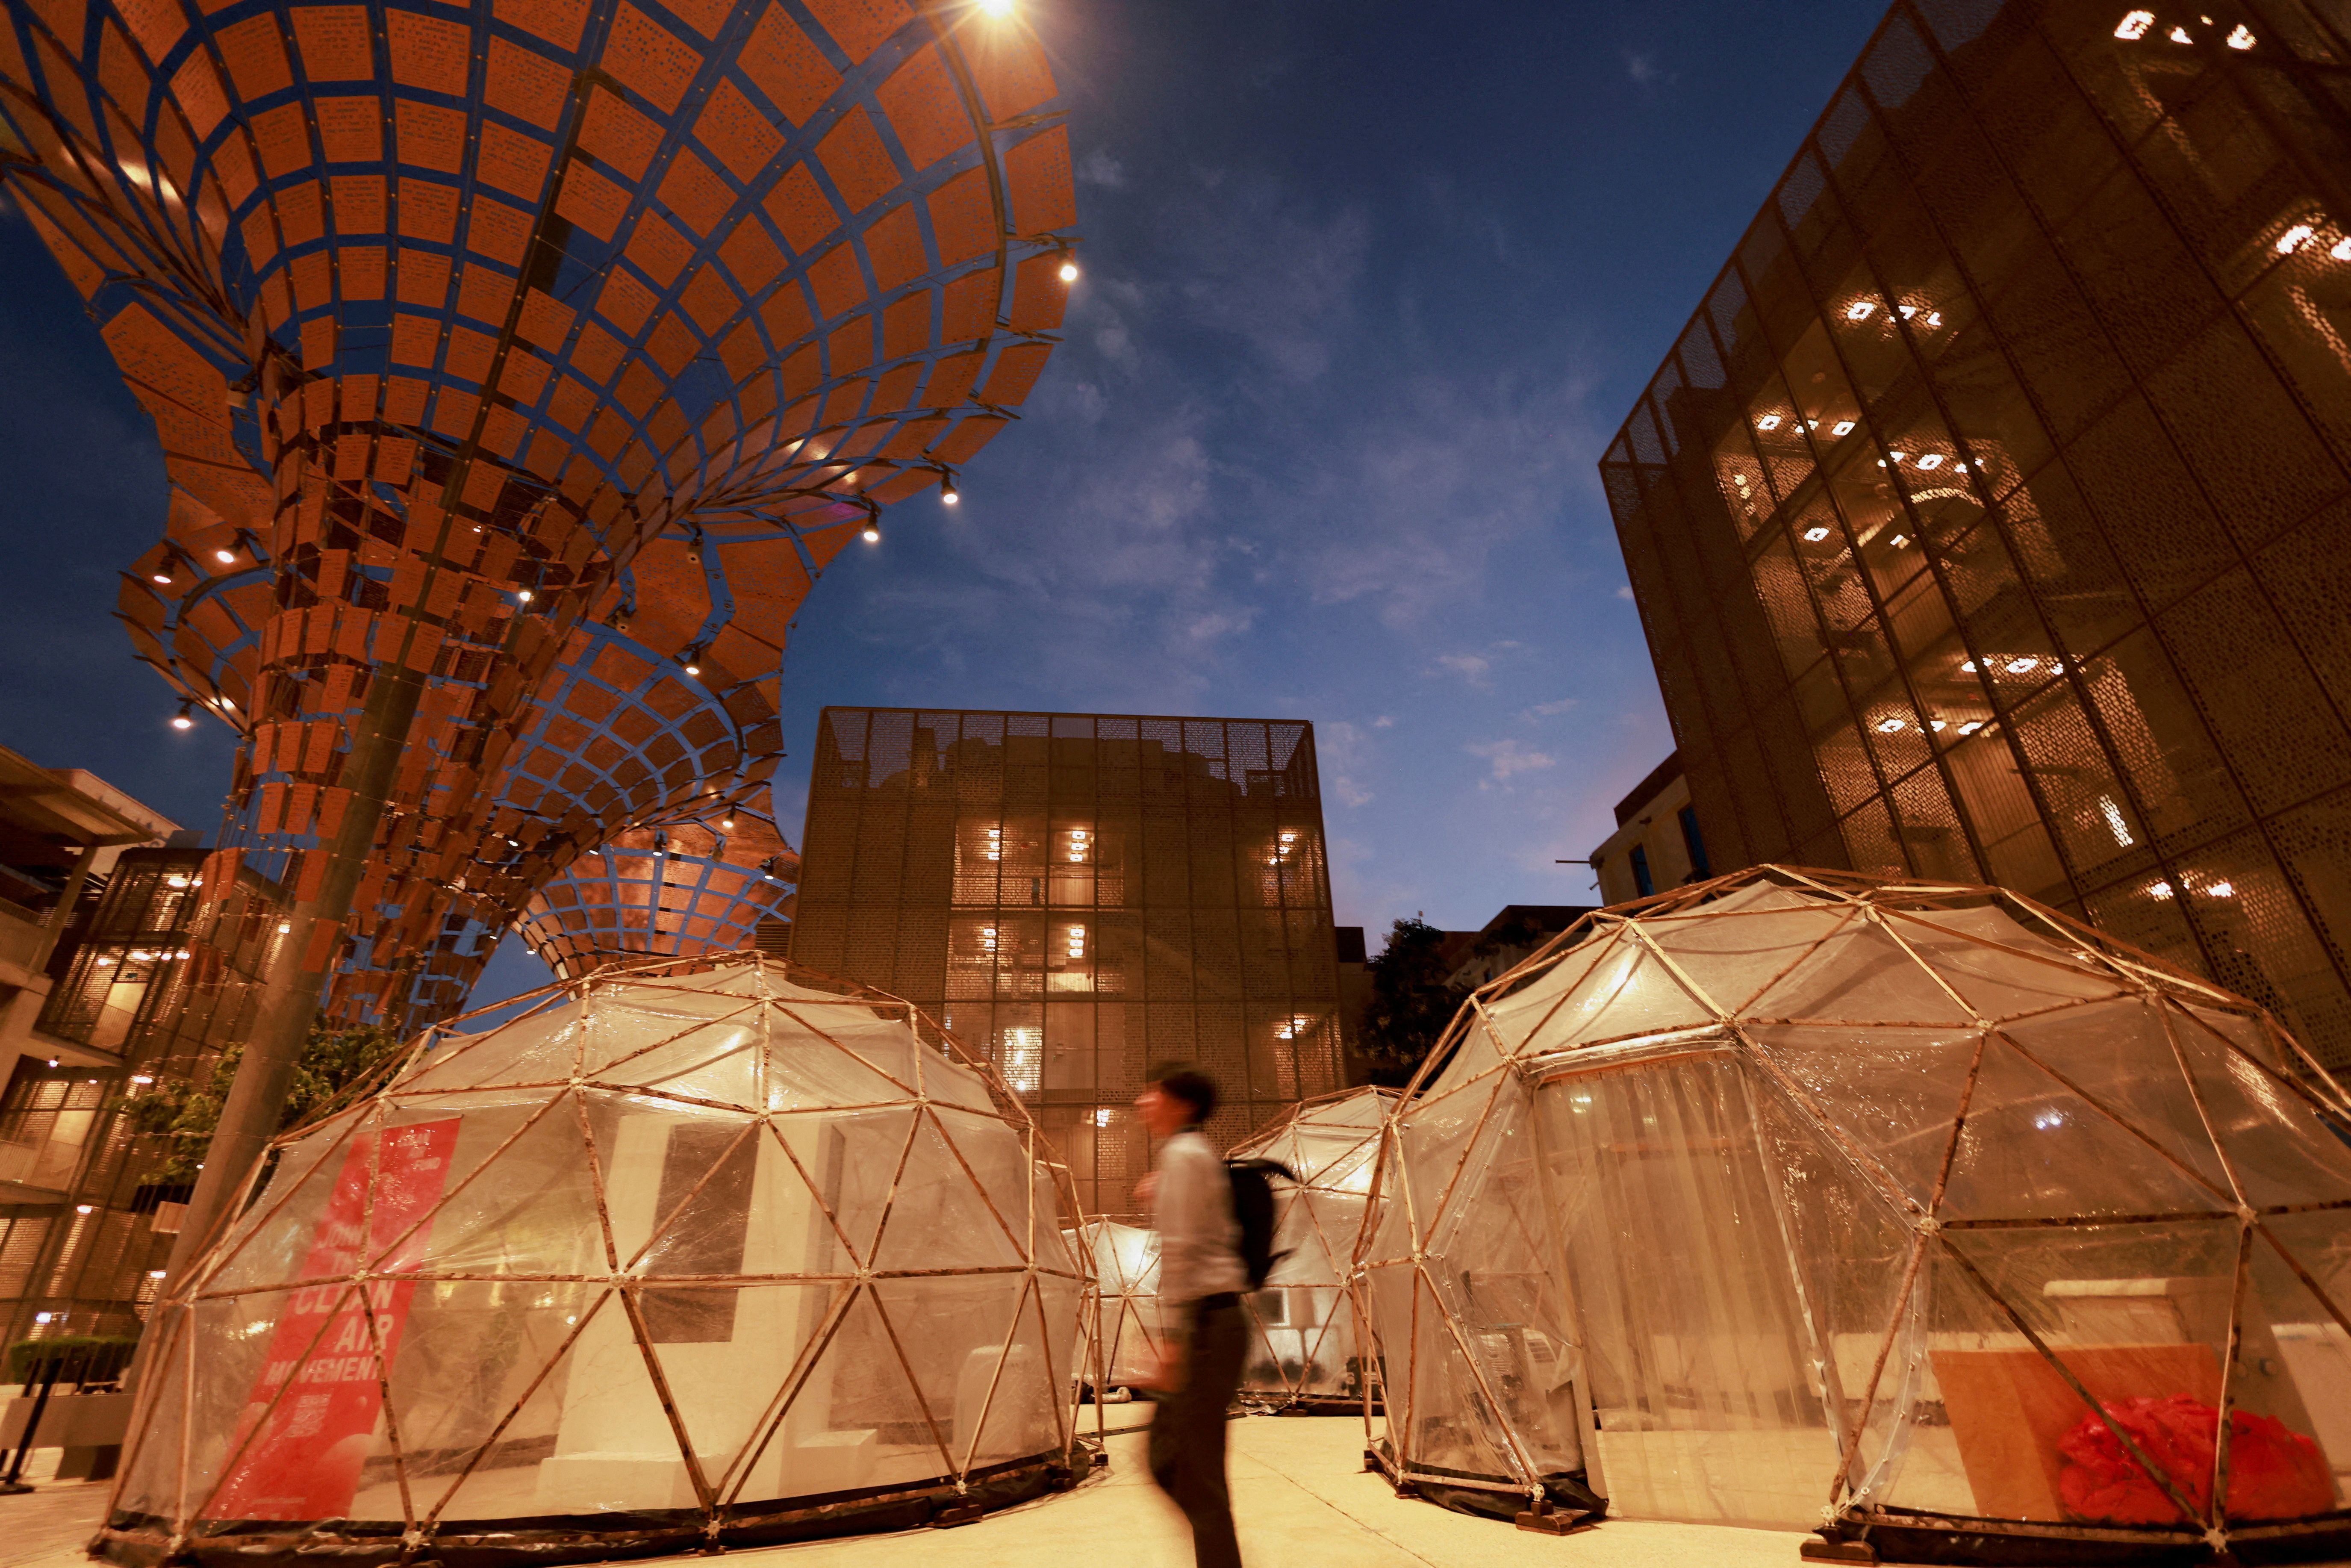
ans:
(1187, 1431)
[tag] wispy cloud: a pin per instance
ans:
(1642, 67)
(1506, 758)
(1470, 667)
(1261, 264)
(1342, 751)
(1553, 709)
(1099, 168)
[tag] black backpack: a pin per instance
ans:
(1253, 1207)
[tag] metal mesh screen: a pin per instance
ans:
(516, 368)
(1082, 896)
(1985, 522)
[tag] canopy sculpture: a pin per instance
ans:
(718, 732)
(1124, 1330)
(469, 329)
(1919, 1208)
(700, 884)
(687, 1256)
(1306, 1340)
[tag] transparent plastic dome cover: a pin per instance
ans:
(1792, 1197)
(689, 1252)
(1305, 1342)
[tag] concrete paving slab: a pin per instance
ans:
(1302, 1499)
(1301, 1493)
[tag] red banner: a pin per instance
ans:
(299, 1457)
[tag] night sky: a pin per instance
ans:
(1367, 290)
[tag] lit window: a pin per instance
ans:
(1972, 726)
(1898, 456)
(1908, 312)
(1969, 666)
(1842, 427)
(1936, 725)
(2135, 25)
(2159, 890)
(1934, 319)
(2341, 251)
(1889, 725)
(2179, 35)
(1816, 535)
(1769, 422)
(2222, 890)
(1900, 541)
(2115, 822)
(1102, 1117)
(2295, 238)
(2020, 666)
(1930, 460)
(1860, 309)
(2242, 38)
(1021, 1058)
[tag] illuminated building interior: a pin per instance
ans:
(1986, 521)
(1082, 896)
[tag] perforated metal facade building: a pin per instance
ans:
(1081, 896)
(1988, 520)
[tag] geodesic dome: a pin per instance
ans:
(1920, 1209)
(1304, 1339)
(690, 1254)
(1124, 1320)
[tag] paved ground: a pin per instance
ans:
(1300, 1491)
(1303, 1500)
(50, 1523)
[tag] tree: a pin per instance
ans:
(1411, 999)
(184, 1111)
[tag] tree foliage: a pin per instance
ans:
(185, 1110)
(1411, 1000)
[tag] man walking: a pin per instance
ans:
(1201, 1277)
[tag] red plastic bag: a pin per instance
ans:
(2275, 1473)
